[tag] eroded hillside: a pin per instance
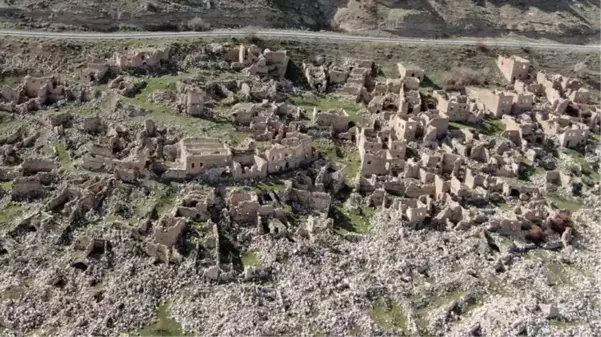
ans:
(561, 20)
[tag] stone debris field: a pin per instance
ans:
(233, 191)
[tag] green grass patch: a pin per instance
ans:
(341, 153)
(389, 318)
(536, 254)
(270, 186)
(163, 326)
(330, 103)
(580, 159)
(8, 213)
(563, 202)
(9, 124)
(528, 171)
(388, 70)
(75, 110)
(458, 126)
(432, 81)
(6, 185)
(490, 126)
(575, 155)
(9, 81)
(346, 221)
(565, 325)
(166, 201)
(595, 138)
(249, 259)
(159, 196)
(158, 83)
(166, 115)
(434, 303)
(63, 155)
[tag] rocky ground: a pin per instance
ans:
(378, 276)
(563, 20)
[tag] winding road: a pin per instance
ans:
(283, 34)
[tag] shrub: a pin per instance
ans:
(251, 36)
(482, 47)
(458, 78)
(198, 24)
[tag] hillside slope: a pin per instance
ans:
(573, 21)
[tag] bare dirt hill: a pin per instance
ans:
(573, 21)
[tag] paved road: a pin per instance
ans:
(293, 35)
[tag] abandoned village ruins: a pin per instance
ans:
(418, 164)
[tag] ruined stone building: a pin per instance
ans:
(496, 103)
(403, 129)
(566, 132)
(243, 205)
(574, 137)
(409, 70)
(380, 152)
(293, 150)
(141, 57)
(338, 120)
(580, 96)
(244, 113)
(254, 62)
(277, 62)
(195, 204)
(358, 81)
(457, 107)
(530, 87)
(522, 102)
(36, 92)
(513, 68)
(523, 124)
(553, 90)
(433, 124)
(316, 76)
(200, 154)
(311, 196)
(193, 101)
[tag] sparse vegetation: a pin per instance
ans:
(357, 221)
(6, 185)
(389, 318)
(270, 186)
(459, 78)
(63, 155)
(166, 201)
(163, 326)
(198, 24)
(348, 155)
(434, 303)
(489, 127)
(249, 259)
(9, 212)
(580, 159)
(563, 202)
(330, 103)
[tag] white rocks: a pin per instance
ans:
(550, 311)
(566, 237)
(212, 273)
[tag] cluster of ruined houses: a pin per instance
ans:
(454, 164)
(533, 111)
(35, 93)
(267, 210)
